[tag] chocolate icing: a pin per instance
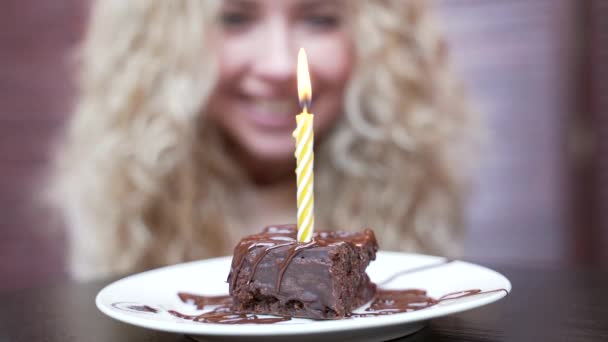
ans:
(284, 236)
(273, 273)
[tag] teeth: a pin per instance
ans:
(274, 106)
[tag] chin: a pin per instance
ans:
(268, 147)
(273, 154)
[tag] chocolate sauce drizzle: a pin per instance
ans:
(128, 306)
(385, 302)
(223, 314)
(285, 236)
(143, 308)
(201, 301)
(219, 316)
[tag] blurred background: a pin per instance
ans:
(537, 72)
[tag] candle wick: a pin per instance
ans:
(305, 104)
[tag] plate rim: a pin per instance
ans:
(212, 329)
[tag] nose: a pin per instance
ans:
(276, 55)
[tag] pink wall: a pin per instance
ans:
(521, 61)
(36, 40)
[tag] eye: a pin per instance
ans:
(235, 19)
(321, 21)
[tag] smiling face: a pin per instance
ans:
(255, 100)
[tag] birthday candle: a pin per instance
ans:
(304, 136)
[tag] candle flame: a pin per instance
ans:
(304, 88)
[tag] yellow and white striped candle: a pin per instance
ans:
(304, 135)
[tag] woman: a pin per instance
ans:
(181, 139)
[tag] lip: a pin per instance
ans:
(268, 119)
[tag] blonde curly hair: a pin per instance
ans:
(141, 177)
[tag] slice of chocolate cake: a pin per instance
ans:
(323, 279)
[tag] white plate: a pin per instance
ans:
(158, 289)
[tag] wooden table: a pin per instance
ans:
(545, 305)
